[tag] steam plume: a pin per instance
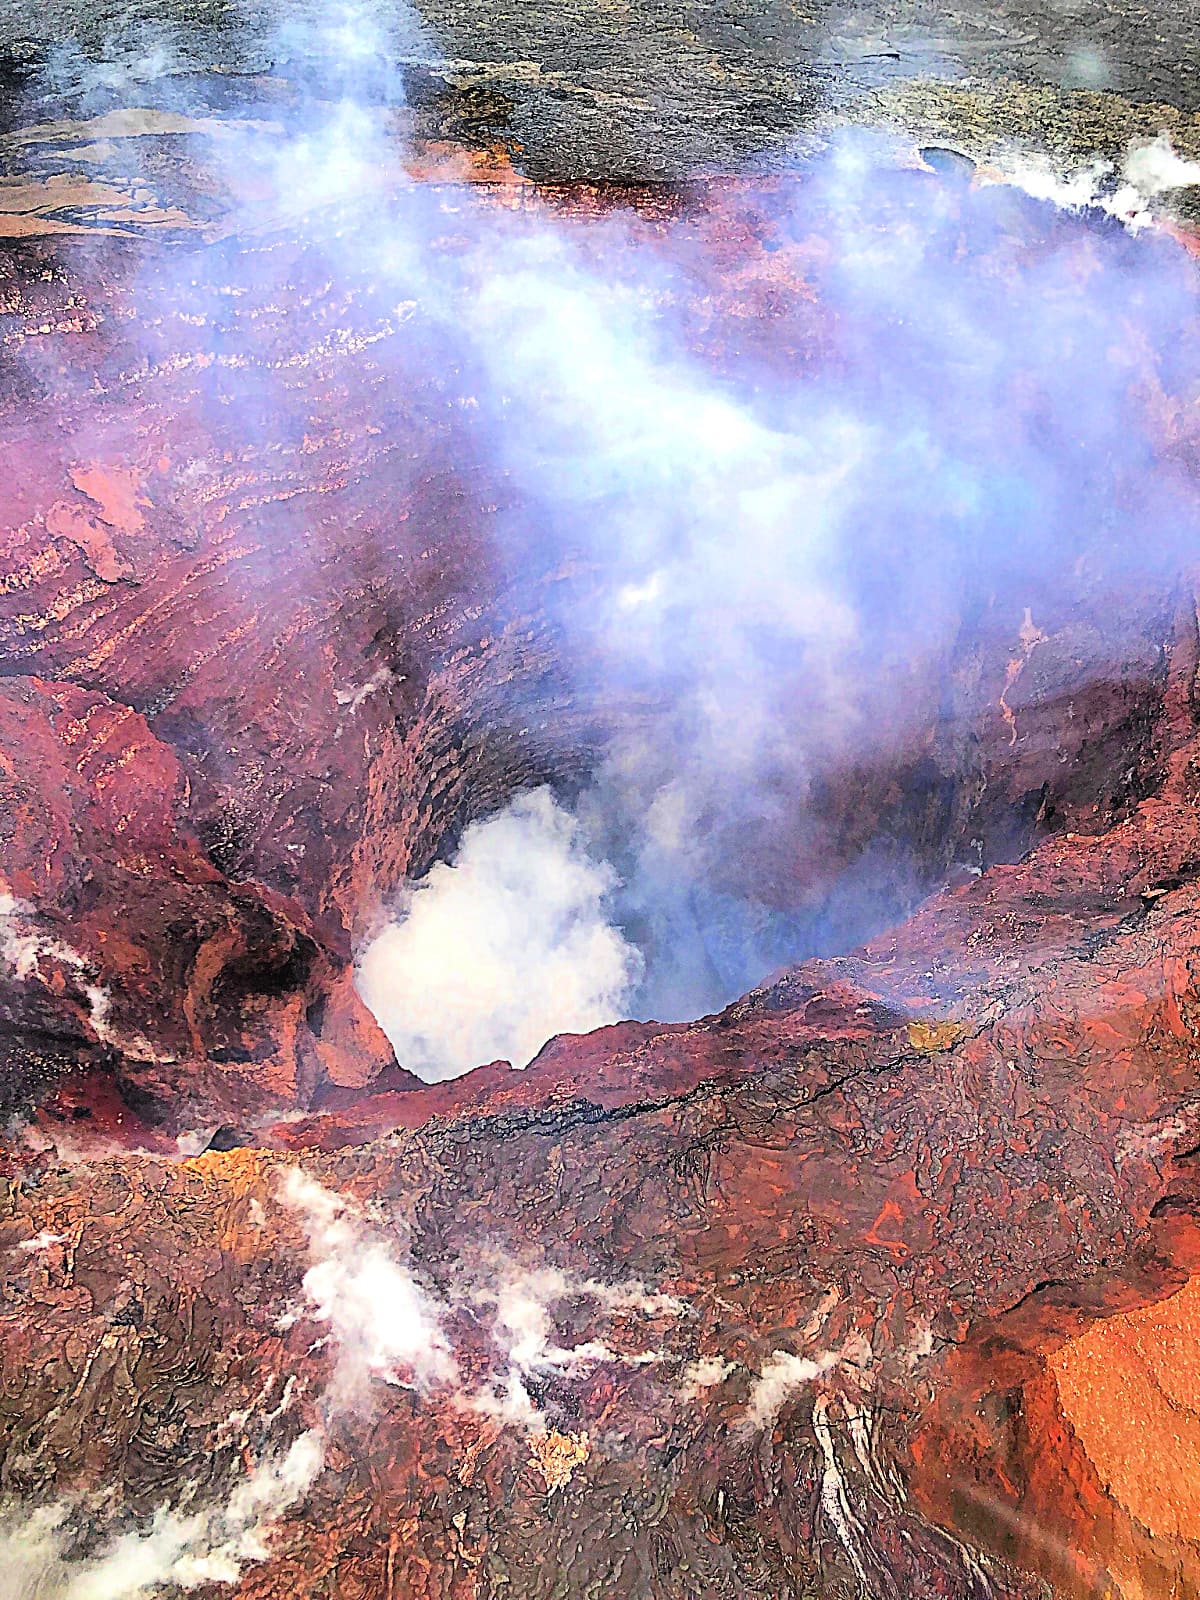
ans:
(783, 1375)
(505, 947)
(1132, 192)
(178, 1549)
(386, 1324)
(389, 1327)
(525, 1300)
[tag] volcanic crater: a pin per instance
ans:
(861, 1281)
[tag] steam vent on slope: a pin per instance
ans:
(599, 802)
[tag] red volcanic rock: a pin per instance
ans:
(918, 1173)
(197, 986)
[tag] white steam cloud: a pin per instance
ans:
(770, 534)
(177, 1550)
(782, 1376)
(703, 1374)
(524, 1300)
(389, 1327)
(500, 950)
(386, 1325)
(1132, 192)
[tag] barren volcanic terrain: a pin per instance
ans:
(876, 1280)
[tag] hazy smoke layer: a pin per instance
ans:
(505, 947)
(780, 548)
(772, 550)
